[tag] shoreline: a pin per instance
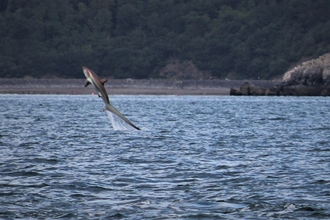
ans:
(125, 86)
(116, 91)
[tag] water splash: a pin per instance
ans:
(118, 124)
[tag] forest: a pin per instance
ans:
(234, 39)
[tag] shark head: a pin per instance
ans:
(92, 78)
(87, 72)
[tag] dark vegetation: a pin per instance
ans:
(241, 39)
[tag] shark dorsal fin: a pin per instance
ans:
(87, 83)
(103, 81)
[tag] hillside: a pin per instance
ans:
(174, 39)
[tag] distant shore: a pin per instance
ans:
(126, 86)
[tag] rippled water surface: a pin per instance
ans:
(211, 157)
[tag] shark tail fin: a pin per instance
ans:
(110, 108)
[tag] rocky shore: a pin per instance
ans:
(126, 86)
(311, 78)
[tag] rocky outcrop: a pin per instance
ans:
(248, 89)
(311, 78)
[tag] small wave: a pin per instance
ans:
(24, 173)
(43, 160)
(274, 119)
(291, 209)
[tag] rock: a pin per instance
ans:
(299, 90)
(311, 78)
(325, 91)
(245, 88)
(255, 90)
(274, 91)
(305, 75)
(234, 92)
(248, 89)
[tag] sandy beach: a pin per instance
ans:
(125, 86)
(123, 91)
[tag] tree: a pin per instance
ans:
(137, 38)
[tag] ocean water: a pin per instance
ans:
(196, 157)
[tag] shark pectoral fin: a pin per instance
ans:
(87, 83)
(104, 81)
(112, 109)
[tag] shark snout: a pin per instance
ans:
(86, 72)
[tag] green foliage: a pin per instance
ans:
(136, 38)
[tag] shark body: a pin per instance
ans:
(92, 78)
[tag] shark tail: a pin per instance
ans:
(110, 108)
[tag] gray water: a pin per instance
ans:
(197, 157)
